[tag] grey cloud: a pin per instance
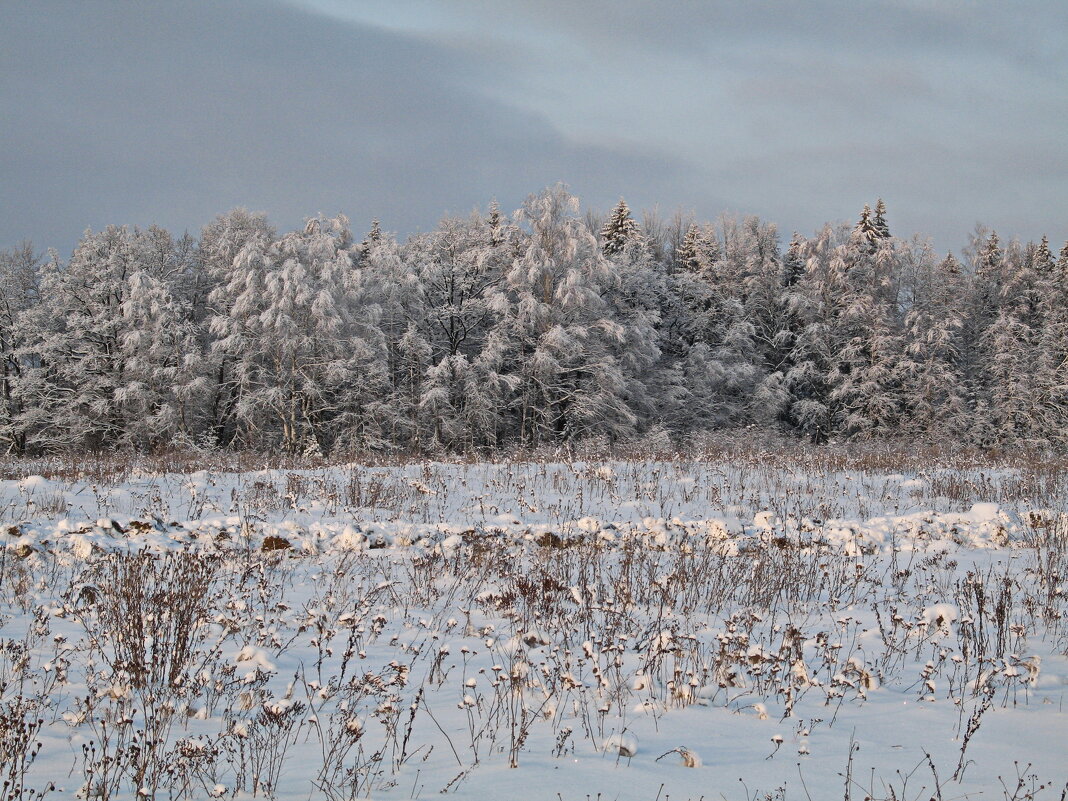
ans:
(824, 81)
(171, 113)
(1028, 32)
(913, 99)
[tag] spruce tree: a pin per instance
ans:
(620, 230)
(699, 250)
(867, 227)
(933, 387)
(981, 312)
(1050, 366)
(1043, 258)
(1009, 345)
(792, 263)
(864, 386)
(882, 230)
(636, 299)
(374, 236)
(781, 335)
(989, 260)
(496, 223)
(817, 301)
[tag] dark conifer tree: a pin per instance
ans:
(620, 230)
(882, 230)
(793, 264)
(866, 227)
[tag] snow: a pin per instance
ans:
(623, 744)
(679, 629)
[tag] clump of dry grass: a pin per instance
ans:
(149, 610)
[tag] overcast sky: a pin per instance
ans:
(954, 111)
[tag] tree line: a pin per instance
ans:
(539, 328)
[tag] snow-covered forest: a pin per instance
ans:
(547, 326)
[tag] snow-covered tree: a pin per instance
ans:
(635, 300)
(164, 387)
(879, 224)
(221, 242)
(699, 249)
(568, 382)
(82, 365)
(933, 387)
(395, 291)
(818, 301)
(291, 328)
(373, 238)
(983, 304)
(545, 327)
(1051, 365)
(461, 268)
(620, 230)
(19, 272)
(865, 376)
(1010, 344)
(870, 228)
(793, 265)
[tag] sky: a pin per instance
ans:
(170, 113)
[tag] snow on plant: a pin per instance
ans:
(536, 620)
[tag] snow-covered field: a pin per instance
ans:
(569, 631)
